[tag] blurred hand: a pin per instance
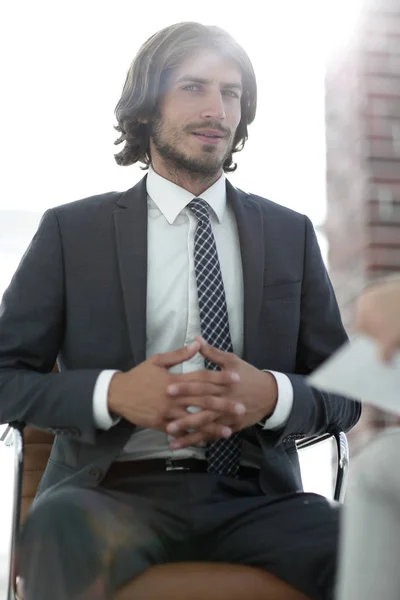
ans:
(256, 392)
(378, 315)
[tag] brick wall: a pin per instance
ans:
(363, 163)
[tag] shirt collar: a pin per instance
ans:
(171, 199)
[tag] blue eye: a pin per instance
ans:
(193, 87)
(231, 93)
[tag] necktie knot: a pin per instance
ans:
(200, 208)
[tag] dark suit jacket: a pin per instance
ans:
(79, 297)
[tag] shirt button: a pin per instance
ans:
(95, 473)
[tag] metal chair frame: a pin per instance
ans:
(13, 436)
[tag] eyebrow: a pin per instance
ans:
(204, 81)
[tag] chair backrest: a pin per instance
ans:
(37, 446)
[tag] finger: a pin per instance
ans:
(196, 388)
(219, 357)
(205, 420)
(220, 404)
(217, 378)
(176, 357)
(176, 413)
(208, 432)
(191, 439)
(191, 421)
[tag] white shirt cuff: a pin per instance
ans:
(101, 415)
(284, 404)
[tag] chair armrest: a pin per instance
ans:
(342, 448)
(6, 433)
(13, 436)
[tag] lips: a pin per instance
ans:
(209, 134)
(209, 137)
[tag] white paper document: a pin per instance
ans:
(357, 370)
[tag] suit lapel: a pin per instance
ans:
(251, 236)
(130, 220)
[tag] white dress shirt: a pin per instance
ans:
(173, 318)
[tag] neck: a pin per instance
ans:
(194, 183)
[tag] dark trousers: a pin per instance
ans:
(87, 542)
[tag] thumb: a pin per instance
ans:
(219, 357)
(176, 357)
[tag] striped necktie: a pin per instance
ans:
(223, 456)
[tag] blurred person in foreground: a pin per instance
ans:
(370, 539)
(172, 447)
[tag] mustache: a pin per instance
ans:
(208, 125)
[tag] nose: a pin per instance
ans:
(214, 106)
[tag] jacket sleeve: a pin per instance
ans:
(32, 317)
(321, 333)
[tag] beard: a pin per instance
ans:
(206, 165)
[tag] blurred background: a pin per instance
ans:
(326, 140)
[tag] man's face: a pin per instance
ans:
(198, 116)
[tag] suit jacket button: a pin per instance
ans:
(96, 473)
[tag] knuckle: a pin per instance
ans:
(212, 429)
(209, 375)
(197, 388)
(227, 406)
(198, 417)
(231, 407)
(166, 410)
(158, 422)
(161, 417)
(212, 416)
(231, 361)
(204, 418)
(220, 404)
(211, 402)
(229, 374)
(215, 390)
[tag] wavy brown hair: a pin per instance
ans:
(148, 77)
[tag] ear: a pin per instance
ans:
(143, 121)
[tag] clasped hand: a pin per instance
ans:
(229, 400)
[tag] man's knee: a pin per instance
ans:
(58, 548)
(59, 531)
(56, 513)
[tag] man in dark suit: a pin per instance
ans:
(184, 315)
